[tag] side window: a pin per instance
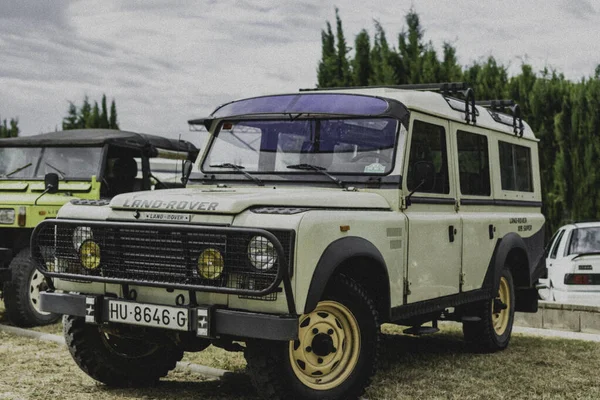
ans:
(428, 145)
(473, 164)
(556, 244)
(515, 167)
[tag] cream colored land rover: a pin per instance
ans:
(311, 219)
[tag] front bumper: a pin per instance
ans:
(222, 321)
(5, 257)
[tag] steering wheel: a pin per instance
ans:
(371, 154)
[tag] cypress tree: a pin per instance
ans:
(362, 59)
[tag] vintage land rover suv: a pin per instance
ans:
(88, 164)
(317, 216)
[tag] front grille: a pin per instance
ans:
(188, 257)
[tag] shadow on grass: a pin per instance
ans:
(230, 386)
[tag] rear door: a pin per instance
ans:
(434, 231)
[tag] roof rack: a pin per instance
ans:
(445, 88)
(499, 105)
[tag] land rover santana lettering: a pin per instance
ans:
(315, 217)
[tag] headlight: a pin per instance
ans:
(7, 216)
(80, 235)
(89, 254)
(210, 264)
(262, 253)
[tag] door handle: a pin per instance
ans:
(451, 233)
(491, 231)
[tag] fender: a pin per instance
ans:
(509, 242)
(335, 255)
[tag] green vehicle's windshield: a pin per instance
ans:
(36, 162)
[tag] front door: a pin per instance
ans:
(434, 227)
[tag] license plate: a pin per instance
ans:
(176, 318)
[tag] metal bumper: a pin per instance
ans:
(223, 322)
(5, 257)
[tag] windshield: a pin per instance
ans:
(35, 162)
(341, 146)
(585, 240)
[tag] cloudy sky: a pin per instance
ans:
(167, 61)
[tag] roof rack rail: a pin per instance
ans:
(499, 105)
(445, 88)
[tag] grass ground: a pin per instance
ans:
(433, 367)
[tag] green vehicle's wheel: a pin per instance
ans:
(118, 360)
(493, 332)
(22, 293)
(334, 356)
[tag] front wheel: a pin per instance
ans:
(492, 332)
(118, 358)
(22, 293)
(334, 356)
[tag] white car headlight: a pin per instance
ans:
(80, 235)
(262, 253)
(7, 216)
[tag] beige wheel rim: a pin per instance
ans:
(327, 348)
(501, 317)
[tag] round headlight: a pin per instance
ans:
(262, 253)
(80, 235)
(89, 254)
(210, 264)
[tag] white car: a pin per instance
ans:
(573, 262)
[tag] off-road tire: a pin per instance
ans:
(482, 334)
(271, 369)
(89, 348)
(18, 293)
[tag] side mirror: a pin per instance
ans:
(51, 183)
(186, 172)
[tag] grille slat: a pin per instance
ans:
(165, 257)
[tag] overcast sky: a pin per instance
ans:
(167, 61)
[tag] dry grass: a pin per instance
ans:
(434, 367)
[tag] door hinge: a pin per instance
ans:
(406, 287)
(461, 279)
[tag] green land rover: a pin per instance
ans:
(89, 165)
(314, 218)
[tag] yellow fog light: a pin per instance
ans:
(210, 264)
(89, 254)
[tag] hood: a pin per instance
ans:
(234, 201)
(28, 199)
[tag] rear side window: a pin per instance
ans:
(515, 167)
(473, 164)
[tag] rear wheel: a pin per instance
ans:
(334, 356)
(22, 293)
(115, 359)
(492, 332)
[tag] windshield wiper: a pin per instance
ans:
(16, 170)
(62, 174)
(239, 168)
(310, 167)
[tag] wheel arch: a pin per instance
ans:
(350, 256)
(511, 251)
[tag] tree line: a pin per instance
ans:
(91, 116)
(564, 114)
(9, 128)
(82, 117)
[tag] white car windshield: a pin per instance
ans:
(585, 240)
(340, 146)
